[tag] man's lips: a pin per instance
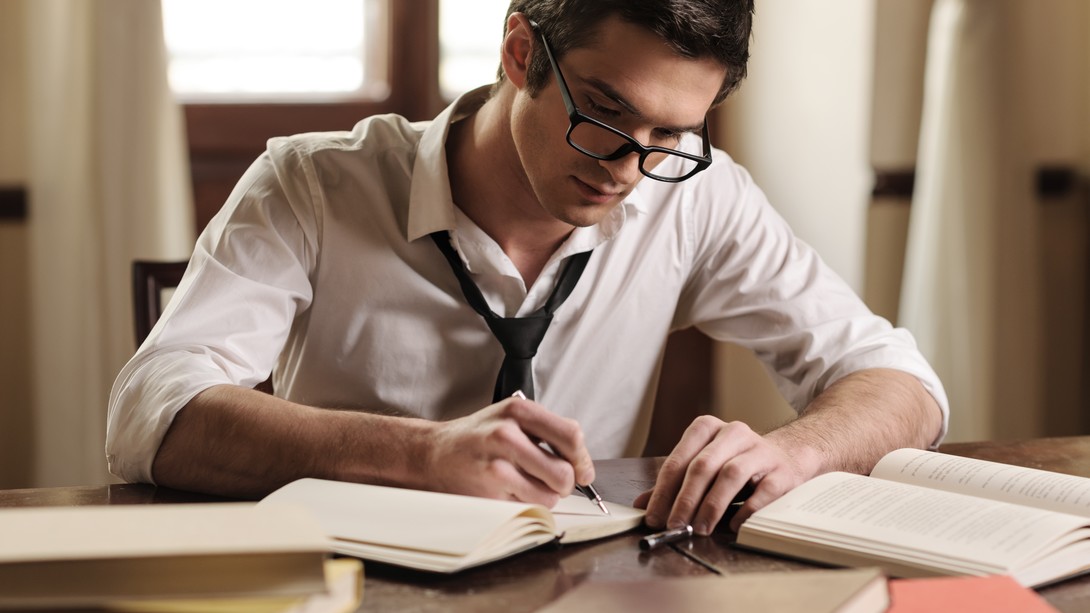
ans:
(593, 194)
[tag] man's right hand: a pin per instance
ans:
(495, 453)
(237, 442)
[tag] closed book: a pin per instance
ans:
(63, 557)
(989, 594)
(813, 591)
(343, 594)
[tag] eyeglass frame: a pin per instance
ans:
(576, 117)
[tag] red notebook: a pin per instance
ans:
(990, 594)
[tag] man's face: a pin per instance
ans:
(627, 78)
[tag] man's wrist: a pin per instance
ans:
(809, 459)
(382, 449)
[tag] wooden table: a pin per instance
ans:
(530, 580)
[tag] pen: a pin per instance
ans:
(652, 541)
(586, 490)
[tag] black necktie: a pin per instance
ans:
(519, 336)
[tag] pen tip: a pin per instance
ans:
(602, 506)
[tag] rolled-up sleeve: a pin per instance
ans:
(248, 279)
(765, 289)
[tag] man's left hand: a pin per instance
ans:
(711, 464)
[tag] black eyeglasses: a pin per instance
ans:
(603, 142)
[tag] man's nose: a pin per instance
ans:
(624, 170)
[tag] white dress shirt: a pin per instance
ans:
(319, 269)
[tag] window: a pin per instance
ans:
(246, 50)
(232, 51)
(248, 70)
(469, 44)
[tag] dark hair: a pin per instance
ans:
(719, 29)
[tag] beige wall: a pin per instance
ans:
(800, 108)
(1054, 75)
(15, 419)
(1051, 71)
(896, 101)
(800, 121)
(800, 125)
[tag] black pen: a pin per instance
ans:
(586, 490)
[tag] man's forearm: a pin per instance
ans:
(239, 442)
(860, 418)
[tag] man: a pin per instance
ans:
(347, 264)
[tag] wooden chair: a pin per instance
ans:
(149, 280)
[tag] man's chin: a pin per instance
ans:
(586, 215)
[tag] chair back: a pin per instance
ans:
(150, 279)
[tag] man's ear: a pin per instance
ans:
(517, 45)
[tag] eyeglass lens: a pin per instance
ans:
(600, 142)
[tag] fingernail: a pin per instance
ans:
(701, 529)
(653, 520)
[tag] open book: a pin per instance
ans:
(443, 532)
(923, 513)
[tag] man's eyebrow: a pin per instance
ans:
(616, 96)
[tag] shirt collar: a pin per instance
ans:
(431, 204)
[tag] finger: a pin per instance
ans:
(509, 442)
(723, 453)
(732, 486)
(561, 434)
(741, 515)
(641, 501)
(669, 480)
(768, 489)
(516, 485)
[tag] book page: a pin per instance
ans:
(443, 532)
(428, 522)
(581, 520)
(1027, 486)
(903, 521)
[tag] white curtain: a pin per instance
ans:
(108, 183)
(971, 287)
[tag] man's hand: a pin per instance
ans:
(494, 453)
(848, 427)
(239, 442)
(711, 464)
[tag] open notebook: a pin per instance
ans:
(444, 532)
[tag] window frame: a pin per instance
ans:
(225, 137)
